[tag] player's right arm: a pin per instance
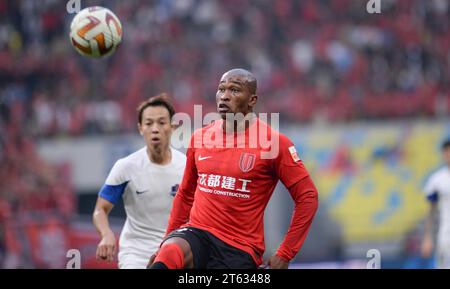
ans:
(109, 195)
(184, 198)
(428, 242)
(106, 249)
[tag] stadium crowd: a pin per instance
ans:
(328, 59)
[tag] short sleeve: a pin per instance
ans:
(431, 190)
(288, 165)
(115, 184)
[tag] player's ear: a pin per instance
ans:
(253, 100)
(139, 129)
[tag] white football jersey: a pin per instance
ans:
(147, 190)
(437, 189)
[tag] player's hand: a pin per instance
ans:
(275, 262)
(427, 247)
(106, 249)
(152, 259)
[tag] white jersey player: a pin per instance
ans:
(146, 180)
(437, 190)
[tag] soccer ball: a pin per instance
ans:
(95, 31)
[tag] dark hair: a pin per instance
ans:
(446, 144)
(158, 100)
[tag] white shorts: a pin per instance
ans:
(443, 258)
(133, 261)
(135, 253)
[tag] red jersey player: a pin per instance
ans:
(218, 212)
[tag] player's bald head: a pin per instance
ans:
(241, 75)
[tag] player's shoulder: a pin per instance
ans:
(436, 175)
(132, 160)
(178, 156)
(213, 125)
(274, 134)
(263, 125)
(278, 144)
(284, 140)
(178, 153)
(441, 172)
(197, 136)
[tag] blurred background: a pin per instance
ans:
(365, 98)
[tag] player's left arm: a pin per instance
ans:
(432, 195)
(295, 177)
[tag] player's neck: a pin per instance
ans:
(239, 125)
(159, 156)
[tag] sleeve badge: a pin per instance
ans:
(294, 154)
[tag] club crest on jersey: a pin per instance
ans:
(294, 154)
(246, 162)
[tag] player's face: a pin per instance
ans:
(155, 127)
(233, 96)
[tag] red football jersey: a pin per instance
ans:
(226, 188)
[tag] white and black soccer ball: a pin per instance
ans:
(95, 32)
